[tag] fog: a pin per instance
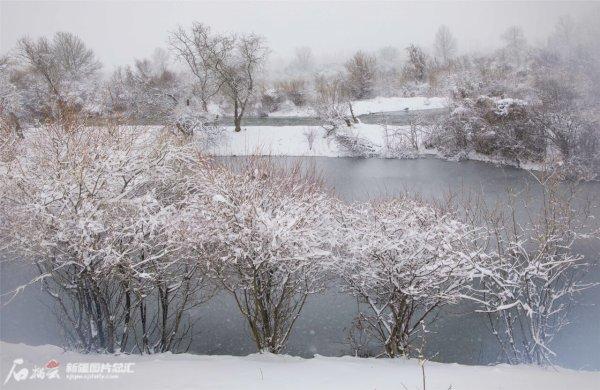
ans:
(122, 31)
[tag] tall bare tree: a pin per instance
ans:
(229, 63)
(304, 60)
(444, 45)
(193, 48)
(515, 43)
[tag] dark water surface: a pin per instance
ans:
(458, 336)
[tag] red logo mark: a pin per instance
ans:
(52, 364)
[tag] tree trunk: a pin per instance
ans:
(14, 121)
(126, 324)
(237, 116)
(352, 113)
(164, 306)
(143, 311)
(238, 124)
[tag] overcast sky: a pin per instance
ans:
(121, 31)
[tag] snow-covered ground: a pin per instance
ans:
(391, 142)
(292, 141)
(187, 371)
(370, 106)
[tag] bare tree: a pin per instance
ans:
(444, 45)
(239, 71)
(331, 103)
(194, 49)
(231, 61)
(388, 70)
(514, 43)
(563, 39)
(304, 60)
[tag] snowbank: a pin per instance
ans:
(393, 142)
(375, 105)
(187, 371)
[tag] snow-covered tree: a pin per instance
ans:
(148, 92)
(153, 93)
(360, 78)
(417, 64)
(11, 110)
(226, 63)
(404, 260)
(60, 75)
(194, 48)
(11, 102)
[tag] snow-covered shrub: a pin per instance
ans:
(404, 260)
(491, 126)
(294, 90)
(584, 159)
(404, 141)
(353, 144)
(148, 93)
(531, 277)
(95, 211)
(331, 104)
(270, 232)
(573, 140)
(270, 101)
(202, 126)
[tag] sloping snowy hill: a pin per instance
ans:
(187, 371)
